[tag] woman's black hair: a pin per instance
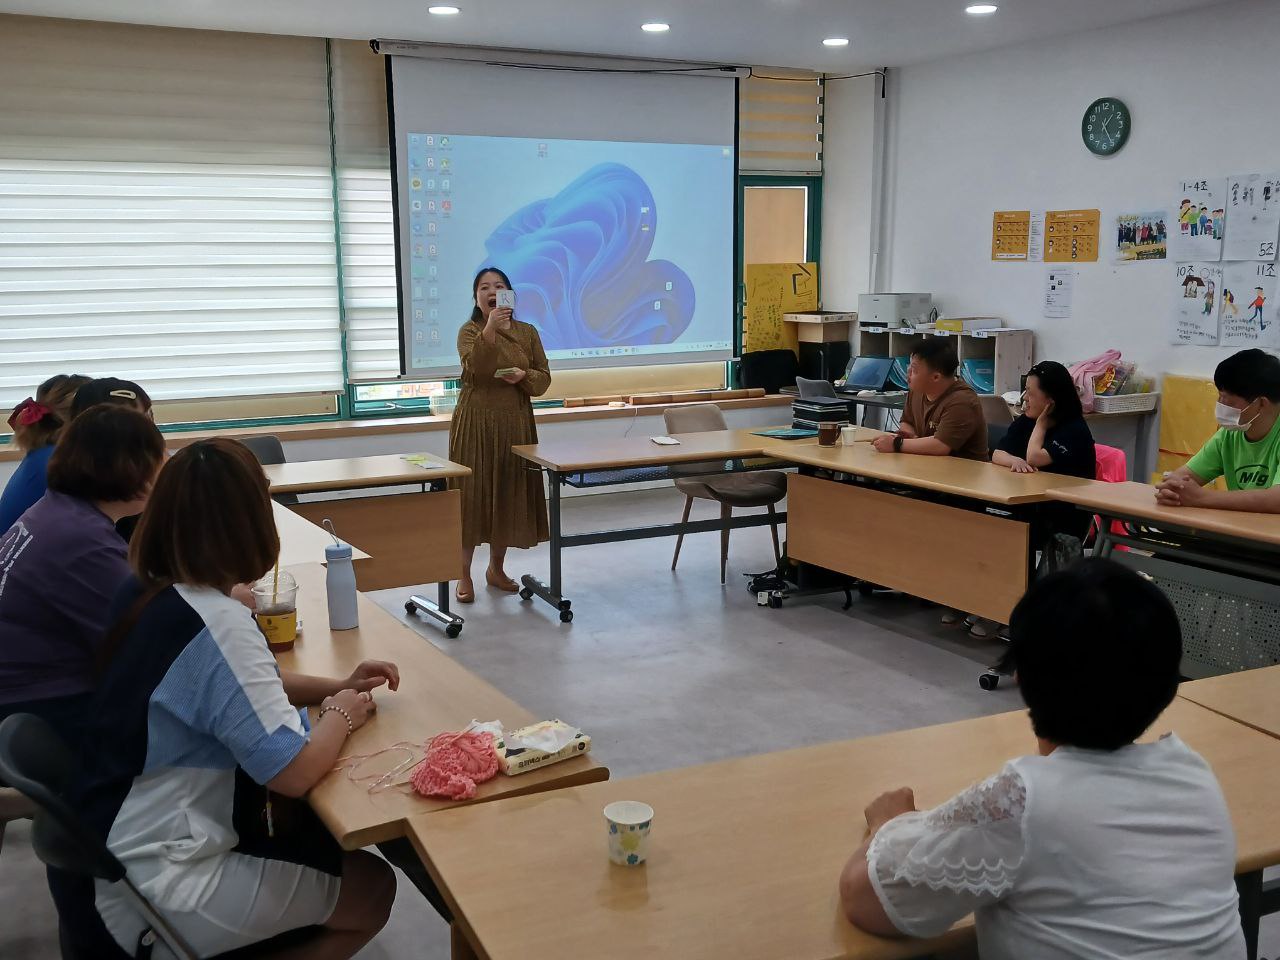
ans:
(476, 315)
(1097, 649)
(1056, 382)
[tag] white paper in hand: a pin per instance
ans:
(507, 298)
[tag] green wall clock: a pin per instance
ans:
(1105, 126)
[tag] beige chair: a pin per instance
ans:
(705, 481)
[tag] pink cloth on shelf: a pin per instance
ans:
(455, 763)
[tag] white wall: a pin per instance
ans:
(1001, 130)
(849, 188)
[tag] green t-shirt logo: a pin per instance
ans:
(1253, 475)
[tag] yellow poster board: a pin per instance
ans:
(1071, 236)
(1010, 235)
(1186, 421)
(772, 290)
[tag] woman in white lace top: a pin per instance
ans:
(1097, 847)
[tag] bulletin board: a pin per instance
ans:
(1071, 236)
(1010, 234)
(772, 290)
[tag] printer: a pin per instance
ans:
(894, 310)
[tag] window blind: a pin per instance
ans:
(780, 122)
(166, 210)
(365, 212)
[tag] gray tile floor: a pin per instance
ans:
(663, 670)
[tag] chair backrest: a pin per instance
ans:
(996, 411)
(694, 418)
(770, 369)
(36, 761)
(815, 388)
(1113, 465)
(268, 449)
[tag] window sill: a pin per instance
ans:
(339, 429)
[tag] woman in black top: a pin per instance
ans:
(1051, 434)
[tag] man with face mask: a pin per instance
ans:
(1245, 450)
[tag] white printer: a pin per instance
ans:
(894, 309)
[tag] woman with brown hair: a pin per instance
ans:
(63, 563)
(36, 423)
(194, 729)
(503, 368)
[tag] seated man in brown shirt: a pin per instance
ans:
(943, 416)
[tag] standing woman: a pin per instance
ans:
(36, 423)
(502, 502)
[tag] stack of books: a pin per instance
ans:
(808, 412)
(979, 374)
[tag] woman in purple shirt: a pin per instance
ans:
(62, 562)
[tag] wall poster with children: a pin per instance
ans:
(1253, 217)
(1197, 302)
(1199, 220)
(1250, 313)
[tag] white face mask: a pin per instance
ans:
(1229, 417)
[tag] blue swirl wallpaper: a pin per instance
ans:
(615, 249)
(580, 264)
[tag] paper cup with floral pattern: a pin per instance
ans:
(629, 822)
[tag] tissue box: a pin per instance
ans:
(513, 761)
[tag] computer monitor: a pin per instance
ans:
(867, 373)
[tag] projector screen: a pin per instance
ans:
(608, 199)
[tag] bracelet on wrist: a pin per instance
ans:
(334, 708)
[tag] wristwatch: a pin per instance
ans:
(897, 443)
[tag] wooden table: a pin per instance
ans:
(436, 694)
(1251, 697)
(961, 537)
(412, 538)
(301, 541)
(1220, 568)
(745, 854)
(585, 463)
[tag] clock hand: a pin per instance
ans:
(1105, 122)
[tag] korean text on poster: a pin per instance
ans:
(1199, 220)
(1196, 304)
(1250, 313)
(1253, 217)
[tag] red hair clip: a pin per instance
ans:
(26, 413)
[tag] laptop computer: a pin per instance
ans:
(866, 373)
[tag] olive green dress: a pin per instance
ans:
(502, 501)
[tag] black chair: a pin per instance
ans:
(36, 761)
(268, 450)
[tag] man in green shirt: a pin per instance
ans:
(1245, 451)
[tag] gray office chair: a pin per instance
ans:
(706, 481)
(35, 760)
(815, 388)
(269, 450)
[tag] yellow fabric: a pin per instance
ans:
(1186, 421)
(772, 290)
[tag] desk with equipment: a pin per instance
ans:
(1220, 568)
(413, 537)
(436, 694)
(759, 843)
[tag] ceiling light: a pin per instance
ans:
(443, 11)
(981, 9)
(836, 42)
(655, 27)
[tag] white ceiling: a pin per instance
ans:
(749, 32)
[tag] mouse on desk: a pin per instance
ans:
(866, 393)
